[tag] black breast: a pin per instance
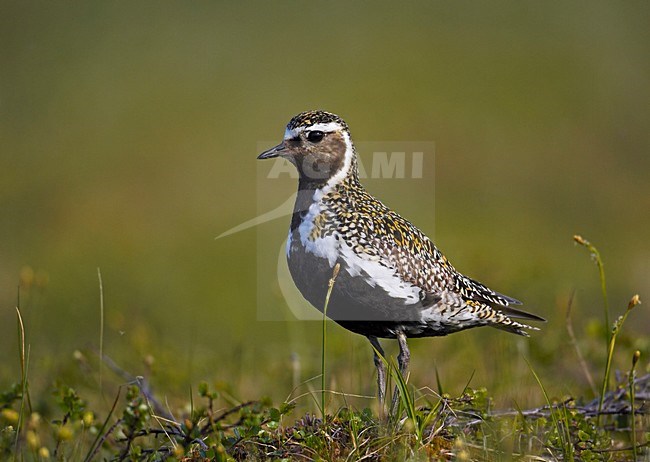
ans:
(355, 303)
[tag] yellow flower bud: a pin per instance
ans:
(634, 301)
(26, 277)
(88, 418)
(10, 416)
(34, 420)
(65, 433)
(580, 240)
(33, 441)
(179, 451)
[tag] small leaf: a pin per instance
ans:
(275, 414)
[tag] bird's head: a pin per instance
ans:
(318, 143)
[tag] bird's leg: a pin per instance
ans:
(403, 362)
(404, 356)
(378, 355)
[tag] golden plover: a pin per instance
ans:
(393, 281)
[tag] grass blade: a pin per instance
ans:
(618, 325)
(94, 447)
(567, 447)
(406, 398)
(24, 366)
(595, 254)
(635, 359)
(101, 328)
(330, 286)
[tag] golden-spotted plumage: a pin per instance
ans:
(372, 229)
(394, 282)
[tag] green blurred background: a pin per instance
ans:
(129, 132)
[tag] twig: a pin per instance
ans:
(615, 404)
(103, 438)
(98, 442)
(628, 448)
(226, 414)
(142, 383)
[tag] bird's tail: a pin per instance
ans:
(514, 327)
(502, 319)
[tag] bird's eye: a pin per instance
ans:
(315, 136)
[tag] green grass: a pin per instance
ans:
(610, 336)
(73, 422)
(559, 419)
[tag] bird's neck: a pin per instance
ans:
(311, 190)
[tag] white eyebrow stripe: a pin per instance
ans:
(326, 128)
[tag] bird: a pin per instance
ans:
(392, 282)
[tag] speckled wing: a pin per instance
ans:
(384, 235)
